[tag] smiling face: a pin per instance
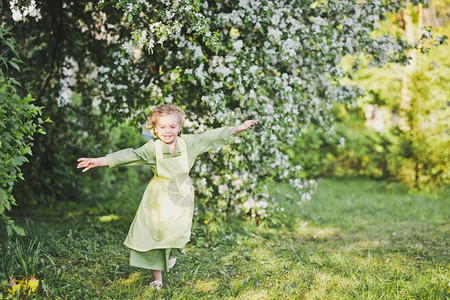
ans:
(167, 128)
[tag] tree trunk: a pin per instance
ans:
(430, 15)
(405, 98)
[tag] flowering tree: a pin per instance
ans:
(223, 62)
(276, 61)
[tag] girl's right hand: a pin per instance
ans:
(89, 163)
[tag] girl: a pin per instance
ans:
(162, 225)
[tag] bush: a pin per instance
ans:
(19, 121)
(356, 151)
(350, 152)
(362, 153)
(314, 150)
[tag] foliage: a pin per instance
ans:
(352, 151)
(51, 175)
(414, 101)
(19, 121)
(427, 143)
(357, 238)
(407, 143)
(357, 151)
(314, 150)
(223, 62)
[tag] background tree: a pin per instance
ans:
(399, 130)
(53, 43)
(412, 100)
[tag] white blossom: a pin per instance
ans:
(238, 44)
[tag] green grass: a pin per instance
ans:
(354, 240)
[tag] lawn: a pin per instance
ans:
(354, 240)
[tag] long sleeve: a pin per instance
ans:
(133, 157)
(209, 140)
(196, 145)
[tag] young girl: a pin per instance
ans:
(162, 225)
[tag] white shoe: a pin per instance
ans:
(171, 262)
(155, 285)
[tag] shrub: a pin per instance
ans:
(19, 121)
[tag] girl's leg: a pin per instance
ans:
(157, 275)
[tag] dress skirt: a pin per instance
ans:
(155, 259)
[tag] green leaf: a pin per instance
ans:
(129, 17)
(196, 5)
(19, 230)
(17, 60)
(8, 230)
(9, 43)
(15, 82)
(4, 201)
(315, 4)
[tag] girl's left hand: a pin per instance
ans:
(244, 126)
(247, 124)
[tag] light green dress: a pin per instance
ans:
(163, 221)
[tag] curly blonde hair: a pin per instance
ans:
(166, 110)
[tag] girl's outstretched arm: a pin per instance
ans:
(246, 125)
(89, 163)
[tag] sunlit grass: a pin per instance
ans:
(206, 285)
(133, 279)
(313, 232)
(354, 240)
(108, 218)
